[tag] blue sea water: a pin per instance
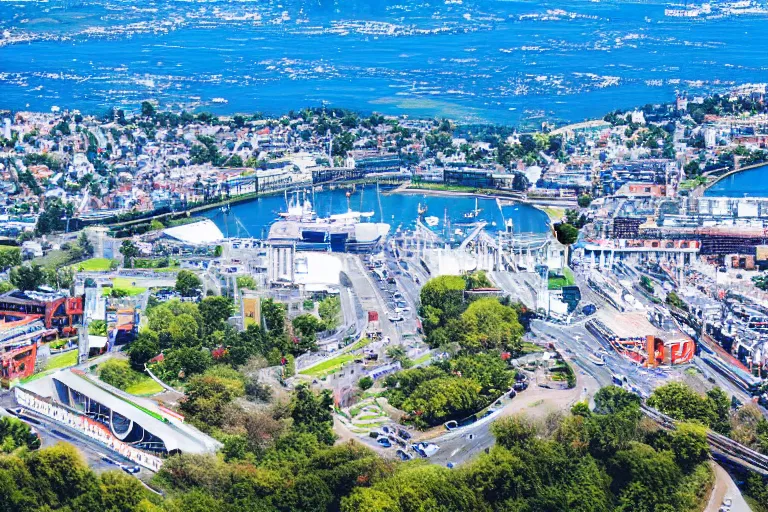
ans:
(473, 60)
(252, 219)
(750, 183)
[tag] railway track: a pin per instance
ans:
(718, 443)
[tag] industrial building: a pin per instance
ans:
(54, 309)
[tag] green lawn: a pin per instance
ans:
(556, 283)
(54, 259)
(530, 348)
(422, 359)
(370, 417)
(693, 183)
(145, 387)
(362, 343)
(554, 213)
(328, 367)
(95, 265)
(64, 360)
(121, 283)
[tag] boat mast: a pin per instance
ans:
(378, 195)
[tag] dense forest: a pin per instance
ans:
(606, 459)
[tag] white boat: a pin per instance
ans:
(474, 213)
(458, 232)
(432, 221)
(219, 100)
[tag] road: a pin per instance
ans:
(725, 487)
(52, 433)
(467, 442)
(578, 343)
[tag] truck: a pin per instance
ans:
(373, 330)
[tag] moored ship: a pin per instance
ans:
(351, 231)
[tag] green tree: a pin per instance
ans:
(209, 393)
(584, 200)
(120, 492)
(62, 479)
(118, 373)
(490, 325)
(183, 331)
(129, 250)
(85, 244)
(673, 299)
(514, 431)
(147, 109)
(365, 383)
(689, 444)
(442, 399)
(477, 279)
(215, 311)
(27, 277)
(143, 348)
(246, 283)
(329, 310)
(311, 413)
(187, 283)
(566, 233)
(306, 327)
(445, 294)
(719, 406)
(613, 399)
(181, 363)
(681, 402)
(15, 433)
(9, 257)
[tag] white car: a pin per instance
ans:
(727, 501)
(396, 318)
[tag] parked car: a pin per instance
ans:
(383, 441)
(403, 455)
(451, 425)
(425, 449)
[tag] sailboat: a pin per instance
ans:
(474, 213)
(421, 209)
(432, 221)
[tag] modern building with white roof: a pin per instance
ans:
(204, 232)
(137, 422)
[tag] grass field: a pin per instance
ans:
(328, 367)
(530, 348)
(362, 343)
(422, 359)
(145, 387)
(54, 259)
(553, 212)
(693, 183)
(556, 283)
(121, 283)
(94, 265)
(62, 360)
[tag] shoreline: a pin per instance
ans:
(730, 173)
(549, 208)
